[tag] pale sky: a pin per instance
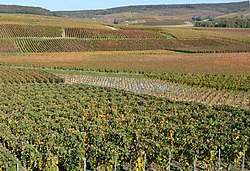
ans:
(100, 4)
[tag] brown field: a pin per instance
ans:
(242, 34)
(211, 33)
(32, 34)
(34, 51)
(148, 61)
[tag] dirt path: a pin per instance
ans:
(112, 28)
(187, 24)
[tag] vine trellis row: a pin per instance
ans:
(17, 167)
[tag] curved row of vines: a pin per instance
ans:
(17, 31)
(30, 38)
(173, 91)
(21, 76)
(218, 81)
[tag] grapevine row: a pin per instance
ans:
(219, 81)
(80, 45)
(75, 45)
(85, 33)
(57, 125)
(12, 75)
(175, 92)
(15, 31)
(213, 46)
(8, 46)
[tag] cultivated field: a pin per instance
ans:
(23, 76)
(39, 37)
(136, 61)
(172, 91)
(77, 93)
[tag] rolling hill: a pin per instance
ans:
(24, 10)
(149, 15)
(219, 7)
(157, 14)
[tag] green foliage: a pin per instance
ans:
(117, 21)
(48, 124)
(8, 161)
(229, 22)
(6, 157)
(219, 82)
(197, 19)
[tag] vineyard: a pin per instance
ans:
(8, 46)
(41, 39)
(199, 33)
(15, 31)
(232, 34)
(76, 45)
(21, 76)
(6, 156)
(7, 160)
(175, 92)
(50, 45)
(213, 46)
(77, 94)
(156, 62)
(56, 125)
(218, 82)
(110, 34)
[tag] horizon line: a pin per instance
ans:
(94, 9)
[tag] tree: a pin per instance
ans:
(117, 21)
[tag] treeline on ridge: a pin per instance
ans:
(225, 22)
(218, 7)
(24, 10)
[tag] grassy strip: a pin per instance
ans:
(217, 81)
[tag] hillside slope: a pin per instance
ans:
(241, 14)
(24, 10)
(149, 15)
(219, 7)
